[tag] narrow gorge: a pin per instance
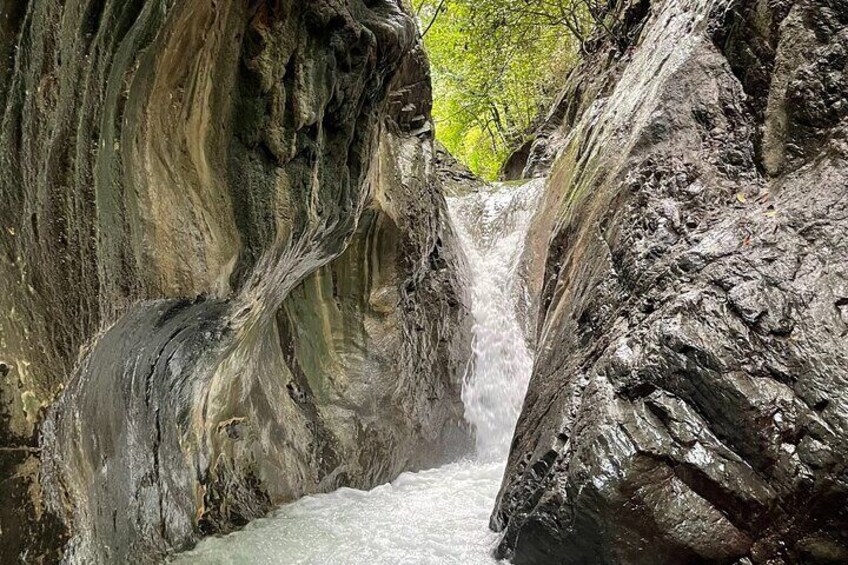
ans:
(252, 311)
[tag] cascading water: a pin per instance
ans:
(440, 516)
(492, 227)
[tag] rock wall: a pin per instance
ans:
(226, 279)
(689, 400)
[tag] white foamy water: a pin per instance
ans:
(492, 227)
(440, 516)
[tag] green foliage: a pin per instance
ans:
(497, 65)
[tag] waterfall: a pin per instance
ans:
(439, 516)
(492, 225)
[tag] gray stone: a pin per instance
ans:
(689, 402)
(226, 275)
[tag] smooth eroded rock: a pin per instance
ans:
(225, 272)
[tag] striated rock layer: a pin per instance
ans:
(226, 280)
(689, 402)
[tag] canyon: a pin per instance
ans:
(238, 273)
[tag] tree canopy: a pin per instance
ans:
(497, 65)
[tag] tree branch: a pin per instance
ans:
(435, 17)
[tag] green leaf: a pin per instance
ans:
(497, 66)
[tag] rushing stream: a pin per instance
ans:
(440, 516)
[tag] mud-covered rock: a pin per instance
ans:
(688, 402)
(226, 279)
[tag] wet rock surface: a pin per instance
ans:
(688, 402)
(225, 271)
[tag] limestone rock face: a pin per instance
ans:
(226, 278)
(689, 401)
